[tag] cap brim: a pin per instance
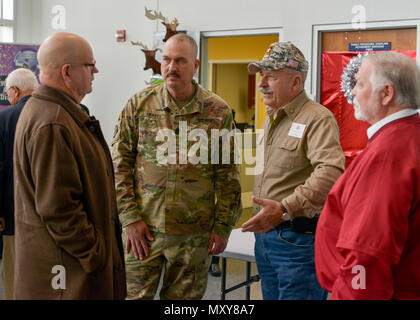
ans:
(254, 67)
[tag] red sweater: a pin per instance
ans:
(367, 242)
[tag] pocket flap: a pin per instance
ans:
(289, 144)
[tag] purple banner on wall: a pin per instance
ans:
(14, 56)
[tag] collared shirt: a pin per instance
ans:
(392, 117)
(174, 196)
(302, 157)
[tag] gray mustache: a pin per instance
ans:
(172, 74)
(263, 90)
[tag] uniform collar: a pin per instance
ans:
(194, 106)
(64, 100)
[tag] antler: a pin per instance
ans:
(148, 13)
(155, 15)
(174, 24)
(137, 43)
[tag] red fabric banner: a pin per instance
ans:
(353, 136)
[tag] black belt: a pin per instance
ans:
(284, 225)
(299, 225)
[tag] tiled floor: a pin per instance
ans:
(235, 274)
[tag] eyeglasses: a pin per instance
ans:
(91, 65)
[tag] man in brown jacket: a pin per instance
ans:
(68, 237)
(302, 160)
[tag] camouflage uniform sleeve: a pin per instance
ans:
(124, 146)
(228, 190)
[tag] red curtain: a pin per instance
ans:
(353, 136)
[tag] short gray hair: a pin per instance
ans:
(185, 37)
(400, 71)
(22, 78)
(303, 74)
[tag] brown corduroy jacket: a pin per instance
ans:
(68, 237)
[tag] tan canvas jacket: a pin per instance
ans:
(302, 157)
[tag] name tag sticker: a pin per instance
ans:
(297, 129)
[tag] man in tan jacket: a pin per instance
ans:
(302, 160)
(68, 237)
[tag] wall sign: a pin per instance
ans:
(370, 46)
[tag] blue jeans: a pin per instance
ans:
(285, 262)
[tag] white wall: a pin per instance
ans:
(121, 65)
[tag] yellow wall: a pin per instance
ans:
(251, 48)
(239, 48)
(261, 114)
(233, 74)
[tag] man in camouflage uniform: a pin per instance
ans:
(302, 160)
(174, 211)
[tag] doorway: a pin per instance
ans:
(225, 56)
(231, 81)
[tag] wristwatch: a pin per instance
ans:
(285, 214)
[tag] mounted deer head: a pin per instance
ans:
(170, 26)
(151, 62)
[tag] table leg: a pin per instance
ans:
(223, 285)
(248, 277)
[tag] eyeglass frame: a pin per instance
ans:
(92, 65)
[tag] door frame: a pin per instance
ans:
(317, 30)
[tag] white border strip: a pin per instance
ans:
(243, 32)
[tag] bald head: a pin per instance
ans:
(61, 48)
(62, 57)
(182, 37)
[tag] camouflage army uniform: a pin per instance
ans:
(181, 203)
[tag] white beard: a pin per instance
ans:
(358, 113)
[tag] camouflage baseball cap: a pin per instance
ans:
(281, 55)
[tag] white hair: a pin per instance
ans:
(22, 78)
(400, 71)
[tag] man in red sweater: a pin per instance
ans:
(367, 242)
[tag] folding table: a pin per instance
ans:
(241, 247)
